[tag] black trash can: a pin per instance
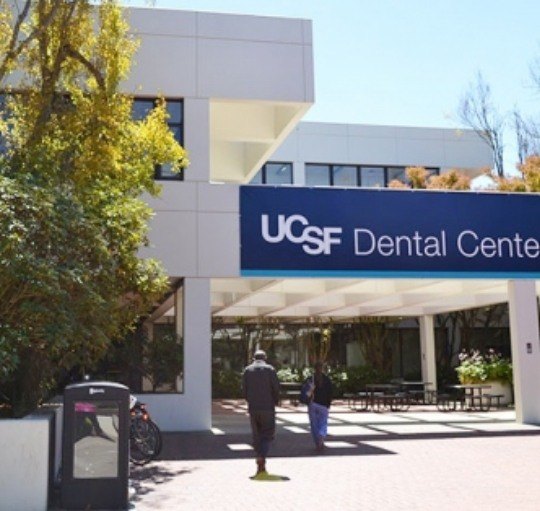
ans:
(95, 446)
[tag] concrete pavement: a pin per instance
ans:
(416, 460)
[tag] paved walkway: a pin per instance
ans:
(416, 460)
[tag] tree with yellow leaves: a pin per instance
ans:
(73, 166)
(529, 180)
(420, 179)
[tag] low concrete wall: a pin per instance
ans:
(24, 470)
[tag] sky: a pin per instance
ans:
(408, 62)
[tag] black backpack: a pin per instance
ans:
(307, 390)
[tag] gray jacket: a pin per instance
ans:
(260, 386)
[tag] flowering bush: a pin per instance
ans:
(477, 368)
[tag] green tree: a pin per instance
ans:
(374, 342)
(73, 167)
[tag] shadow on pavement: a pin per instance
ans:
(145, 479)
(350, 433)
(206, 446)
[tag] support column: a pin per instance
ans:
(197, 317)
(427, 350)
(524, 337)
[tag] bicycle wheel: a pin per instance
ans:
(137, 454)
(144, 442)
(157, 434)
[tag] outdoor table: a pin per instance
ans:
(417, 388)
(290, 390)
(473, 394)
(381, 396)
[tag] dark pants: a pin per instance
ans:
(263, 429)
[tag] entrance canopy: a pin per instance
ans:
(346, 298)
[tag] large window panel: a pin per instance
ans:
(372, 177)
(278, 173)
(175, 109)
(344, 175)
(141, 108)
(397, 174)
(317, 175)
(274, 173)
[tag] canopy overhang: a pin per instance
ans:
(347, 298)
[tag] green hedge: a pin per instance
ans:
(226, 384)
(354, 379)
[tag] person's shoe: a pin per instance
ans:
(262, 476)
(261, 465)
(320, 445)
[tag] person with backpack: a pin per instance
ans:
(319, 404)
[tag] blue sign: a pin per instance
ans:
(289, 231)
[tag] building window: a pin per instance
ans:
(365, 176)
(175, 108)
(344, 175)
(372, 177)
(397, 174)
(274, 173)
(318, 175)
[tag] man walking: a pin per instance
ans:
(260, 387)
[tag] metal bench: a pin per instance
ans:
(494, 400)
(449, 402)
(357, 401)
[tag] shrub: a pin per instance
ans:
(226, 384)
(293, 374)
(477, 368)
(351, 379)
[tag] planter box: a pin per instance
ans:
(501, 388)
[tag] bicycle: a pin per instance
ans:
(145, 440)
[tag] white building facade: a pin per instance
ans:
(244, 83)
(239, 87)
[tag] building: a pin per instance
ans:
(242, 84)
(237, 88)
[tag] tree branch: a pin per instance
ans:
(13, 50)
(477, 112)
(73, 53)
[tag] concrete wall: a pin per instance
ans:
(195, 231)
(357, 144)
(207, 55)
(24, 470)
